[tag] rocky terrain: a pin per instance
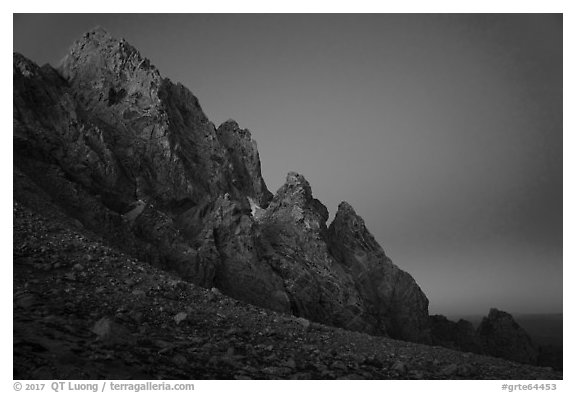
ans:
(84, 310)
(147, 245)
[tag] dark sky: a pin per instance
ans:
(443, 131)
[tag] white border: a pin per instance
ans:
(356, 6)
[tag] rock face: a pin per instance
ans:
(392, 296)
(242, 270)
(164, 142)
(503, 337)
(129, 155)
(243, 154)
(106, 133)
(294, 227)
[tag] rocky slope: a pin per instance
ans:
(84, 310)
(107, 147)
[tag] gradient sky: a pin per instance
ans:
(443, 131)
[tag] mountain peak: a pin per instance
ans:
(95, 40)
(295, 195)
(99, 33)
(230, 123)
(24, 66)
(294, 178)
(98, 50)
(297, 189)
(346, 216)
(230, 126)
(346, 208)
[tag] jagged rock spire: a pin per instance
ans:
(295, 198)
(243, 154)
(391, 293)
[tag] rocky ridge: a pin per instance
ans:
(133, 157)
(497, 335)
(107, 146)
(392, 294)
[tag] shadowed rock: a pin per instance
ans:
(503, 337)
(391, 295)
(294, 226)
(459, 335)
(243, 154)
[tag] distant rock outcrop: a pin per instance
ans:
(497, 335)
(502, 337)
(459, 335)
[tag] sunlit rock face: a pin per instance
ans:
(163, 140)
(128, 152)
